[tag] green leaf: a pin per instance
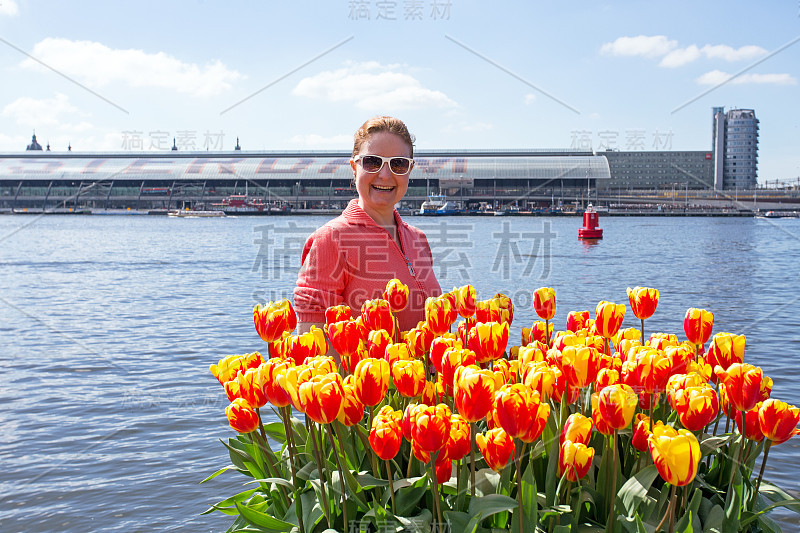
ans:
(713, 524)
(775, 494)
(407, 497)
(229, 502)
(416, 524)
(462, 521)
(632, 524)
(552, 471)
(491, 504)
(691, 511)
(218, 472)
(712, 444)
(276, 480)
(264, 520)
(367, 481)
(733, 507)
(634, 492)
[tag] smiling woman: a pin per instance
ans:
(348, 260)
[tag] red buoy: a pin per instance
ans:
(590, 229)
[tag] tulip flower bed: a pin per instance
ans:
(594, 428)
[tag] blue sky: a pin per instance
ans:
(462, 74)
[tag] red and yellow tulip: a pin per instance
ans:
(496, 446)
(488, 340)
(408, 377)
(386, 434)
(743, 384)
(574, 460)
(676, 454)
(697, 325)
(431, 426)
(376, 314)
(371, 380)
(544, 302)
(337, 313)
(608, 318)
(473, 392)
(778, 420)
(580, 365)
(696, 406)
(643, 301)
(466, 300)
(396, 293)
(439, 314)
(322, 397)
(576, 320)
(617, 404)
(577, 428)
(241, 416)
(273, 319)
(725, 350)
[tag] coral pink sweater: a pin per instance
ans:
(350, 259)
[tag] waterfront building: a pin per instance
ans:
(735, 147)
(638, 170)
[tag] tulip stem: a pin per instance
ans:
(472, 432)
(318, 458)
(518, 460)
(642, 330)
(298, 507)
(391, 484)
(546, 336)
(736, 463)
(337, 454)
(668, 511)
(436, 502)
(611, 513)
(767, 446)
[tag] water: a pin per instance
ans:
(110, 417)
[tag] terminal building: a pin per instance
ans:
(489, 179)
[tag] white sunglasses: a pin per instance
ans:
(374, 163)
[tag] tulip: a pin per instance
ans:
(676, 454)
(680, 358)
(488, 340)
(309, 344)
(376, 314)
(561, 385)
(697, 325)
(274, 318)
(751, 428)
(409, 377)
(432, 393)
(696, 406)
(725, 350)
(451, 360)
(516, 406)
(653, 369)
(660, 341)
(497, 448)
(251, 389)
(441, 345)
(372, 381)
(544, 302)
(473, 392)
(576, 320)
(386, 434)
(641, 431)
(322, 397)
(537, 332)
(609, 318)
(540, 377)
(431, 427)
(419, 339)
(606, 377)
(600, 423)
(398, 352)
(230, 366)
(377, 341)
(643, 301)
(268, 372)
(498, 309)
(577, 428)
(438, 314)
(617, 404)
(337, 313)
(532, 353)
(241, 416)
(778, 420)
(396, 293)
(464, 328)
(232, 390)
(682, 381)
(444, 468)
(580, 366)
(458, 442)
(743, 384)
(574, 460)
(701, 368)
(626, 334)
(345, 336)
(466, 300)
(352, 411)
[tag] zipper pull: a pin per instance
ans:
(410, 268)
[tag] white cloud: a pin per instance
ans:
(98, 65)
(728, 53)
(31, 112)
(680, 57)
(642, 45)
(313, 139)
(530, 98)
(372, 86)
(716, 77)
(8, 8)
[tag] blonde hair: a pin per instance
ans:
(378, 125)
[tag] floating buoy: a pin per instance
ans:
(590, 229)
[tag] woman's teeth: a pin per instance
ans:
(383, 188)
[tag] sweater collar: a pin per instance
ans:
(353, 213)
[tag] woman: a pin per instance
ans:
(350, 259)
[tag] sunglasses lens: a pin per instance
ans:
(399, 165)
(370, 163)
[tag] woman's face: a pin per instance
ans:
(380, 191)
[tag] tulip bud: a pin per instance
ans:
(544, 302)
(697, 325)
(272, 319)
(497, 448)
(396, 293)
(676, 454)
(574, 460)
(643, 301)
(609, 318)
(241, 416)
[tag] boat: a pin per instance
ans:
(782, 214)
(590, 229)
(191, 213)
(240, 203)
(438, 204)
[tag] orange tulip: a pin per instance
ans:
(438, 314)
(641, 431)
(580, 365)
(752, 429)
(419, 339)
(376, 314)
(458, 442)
(377, 341)
(345, 336)
(609, 318)
(466, 300)
(322, 397)
(643, 301)
(516, 406)
(386, 434)
(742, 384)
(241, 416)
(473, 392)
(577, 428)
(250, 388)
(576, 320)
(372, 380)
(441, 345)
(272, 319)
(497, 448)
(696, 406)
(676, 454)
(574, 460)
(725, 350)
(352, 411)
(544, 302)
(396, 293)
(268, 372)
(537, 333)
(778, 420)
(431, 427)
(230, 366)
(398, 352)
(600, 423)
(697, 325)
(337, 313)
(409, 377)
(626, 334)
(617, 404)
(488, 340)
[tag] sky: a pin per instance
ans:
(129, 76)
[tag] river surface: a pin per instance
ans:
(110, 417)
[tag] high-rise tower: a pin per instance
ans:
(735, 145)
